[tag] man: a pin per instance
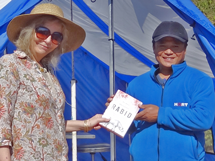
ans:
(178, 102)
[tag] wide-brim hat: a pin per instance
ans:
(76, 34)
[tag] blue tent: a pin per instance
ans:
(134, 22)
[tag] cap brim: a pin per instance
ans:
(169, 35)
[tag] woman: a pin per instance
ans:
(32, 125)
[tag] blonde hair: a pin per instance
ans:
(24, 40)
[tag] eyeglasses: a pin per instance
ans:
(43, 33)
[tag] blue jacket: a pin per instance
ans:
(186, 109)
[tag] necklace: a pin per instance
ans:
(43, 70)
(47, 75)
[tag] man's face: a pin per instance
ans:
(169, 51)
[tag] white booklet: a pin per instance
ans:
(121, 112)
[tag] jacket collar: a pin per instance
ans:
(177, 69)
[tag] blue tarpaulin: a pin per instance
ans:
(13, 9)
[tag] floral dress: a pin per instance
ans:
(31, 111)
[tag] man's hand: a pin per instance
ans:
(109, 100)
(149, 113)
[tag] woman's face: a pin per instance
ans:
(42, 47)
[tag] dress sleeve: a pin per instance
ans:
(9, 83)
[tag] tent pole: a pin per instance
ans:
(73, 103)
(112, 75)
(73, 111)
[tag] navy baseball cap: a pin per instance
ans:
(170, 29)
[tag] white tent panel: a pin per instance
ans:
(134, 21)
(3, 3)
(97, 43)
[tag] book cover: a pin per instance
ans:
(121, 112)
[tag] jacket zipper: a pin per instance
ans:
(159, 125)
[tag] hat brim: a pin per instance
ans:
(76, 34)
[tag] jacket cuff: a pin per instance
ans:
(161, 115)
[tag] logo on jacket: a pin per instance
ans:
(181, 104)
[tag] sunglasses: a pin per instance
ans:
(43, 33)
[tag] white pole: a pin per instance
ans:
(73, 111)
(112, 75)
(73, 103)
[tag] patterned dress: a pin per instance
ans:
(31, 111)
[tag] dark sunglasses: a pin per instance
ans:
(43, 33)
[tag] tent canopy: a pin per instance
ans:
(134, 22)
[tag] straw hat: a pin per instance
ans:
(76, 33)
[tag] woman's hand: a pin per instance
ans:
(85, 125)
(93, 122)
